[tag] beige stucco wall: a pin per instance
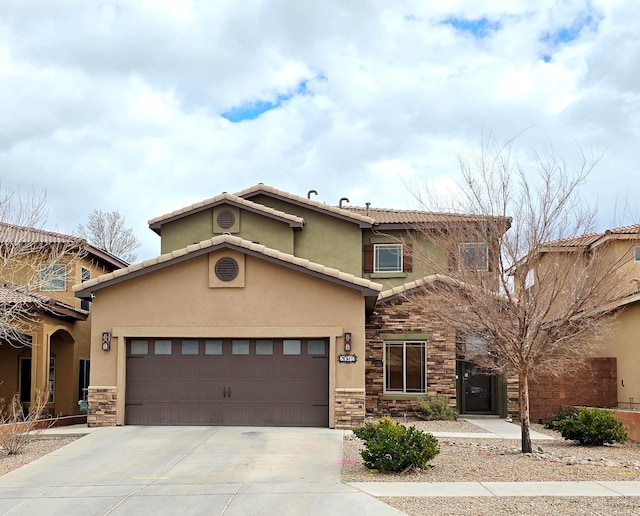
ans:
(176, 301)
(624, 344)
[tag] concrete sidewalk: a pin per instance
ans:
(464, 489)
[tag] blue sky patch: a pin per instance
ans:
(479, 28)
(571, 33)
(252, 110)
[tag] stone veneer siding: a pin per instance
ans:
(102, 406)
(400, 316)
(349, 408)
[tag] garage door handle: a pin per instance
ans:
(224, 392)
(229, 391)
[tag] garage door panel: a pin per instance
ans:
(217, 386)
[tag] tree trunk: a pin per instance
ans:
(523, 388)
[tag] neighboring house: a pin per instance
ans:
(611, 376)
(53, 352)
(266, 308)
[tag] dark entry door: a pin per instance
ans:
(264, 382)
(476, 389)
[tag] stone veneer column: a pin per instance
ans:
(102, 406)
(349, 408)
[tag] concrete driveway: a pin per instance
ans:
(189, 470)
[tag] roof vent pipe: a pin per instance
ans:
(367, 204)
(314, 192)
(345, 199)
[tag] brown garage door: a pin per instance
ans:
(263, 382)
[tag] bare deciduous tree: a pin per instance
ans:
(31, 260)
(517, 280)
(106, 230)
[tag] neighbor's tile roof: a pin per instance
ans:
(13, 233)
(590, 239)
(30, 235)
(218, 199)
(11, 294)
(239, 244)
(342, 212)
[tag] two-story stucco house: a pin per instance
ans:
(267, 308)
(54, 353)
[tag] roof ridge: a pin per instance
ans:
(222, 197)
(304, 200)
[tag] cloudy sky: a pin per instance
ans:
(147, 106)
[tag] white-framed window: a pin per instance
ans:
(475, 256)
(387, 258)
(85, 274)
(53, 277)
(637, 253)
(405, 366)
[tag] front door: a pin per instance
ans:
(476, 389)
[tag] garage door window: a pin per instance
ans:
(162, 347)
(190, 347)
(139, 347)
(291, 347)
(264, 347)
(213, 347)
(316, 347)
(240, 347)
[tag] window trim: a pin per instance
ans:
(476, 246)
(399, 247)
(637, 253)
(403, 392)
(82, 274)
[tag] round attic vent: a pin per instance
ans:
(226, 219)
(226, 269)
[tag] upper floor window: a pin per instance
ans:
(387, 258)
(637, 253)
(475, 256)
(85, 274)
(53, 277)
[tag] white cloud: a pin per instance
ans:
(117, 105)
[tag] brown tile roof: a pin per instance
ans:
(206, 246)
(236, 200)
(30, 235)
(308, 203)
(11, 294)
(10, 232)
(593, 239)
(389, 216)
(394, 292)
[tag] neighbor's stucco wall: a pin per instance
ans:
(275, 301)
(624, 345)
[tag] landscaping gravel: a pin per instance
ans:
(36, 448)
(500, 460)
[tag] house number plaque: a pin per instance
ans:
(348, 359)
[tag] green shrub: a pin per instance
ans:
(565, 412)
(593, 427)
(390, 446)
(431, 409)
